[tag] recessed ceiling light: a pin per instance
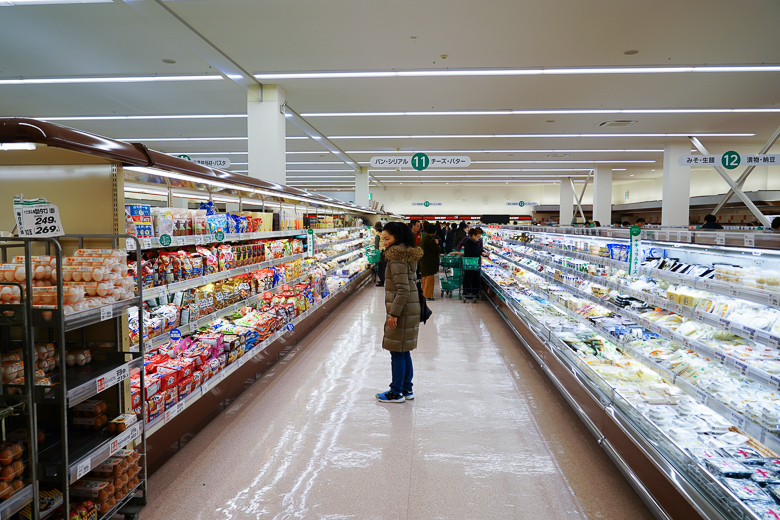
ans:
(584, 111)
(168, 61)
(652, 170)
(550, 121)
(106, 79)
(631, 52)
(631, 175)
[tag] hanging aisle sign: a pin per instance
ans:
(211, 162)
(421, 161)
(426, 204)
(729, 160)
(522, 204)
(37, 218)
(633, 254)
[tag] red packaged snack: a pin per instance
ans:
(185, 387)
(168, 377)
(197, 379)
(171, 396)
(135, 397)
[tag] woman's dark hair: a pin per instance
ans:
(776, 223)
(429, 228)
(710, 218)
(462, 225)
(402, 233)
(475, 231)
(378, 227)
(453, 226)
(596, 223)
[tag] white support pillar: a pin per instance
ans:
(602, 196)
(675, 206)
(567, 203)
(266, 129)
(362, 187)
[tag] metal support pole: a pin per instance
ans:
(747, 172)
(582, 194)
(736, 189)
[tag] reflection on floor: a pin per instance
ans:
(487, 437)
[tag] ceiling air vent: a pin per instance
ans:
(619, 122)
(558, 155)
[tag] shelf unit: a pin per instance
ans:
(700, 486)
(71, 454)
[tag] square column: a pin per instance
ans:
(362, 187)
(567, 203)
(267, 132)
(602, 195)
(675, 206)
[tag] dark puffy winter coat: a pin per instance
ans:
(429, 265)
(401, 297)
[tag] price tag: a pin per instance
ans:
(208, 238)
(180, 241)
(701, 397)
(180, 407)
(750, 332)
(204, 280)
(83, 468)
(106, 312)
(725, 324)
(678, 308)
(162, 290)
(774, 341)
(774, 300)
(130, 245)
(738, 419)
(699, 317)
(707, 284)
(198, 240)
(37, 218)
(721, 356)
(170, 413)
(204, 388)
(114, 446)
(733, 291)
(685, 236)
(146, 243)
(742, 368)
(686, 343)
(720, 239)
(750, 240)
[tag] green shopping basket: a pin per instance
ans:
(471, 263)
(373, 255)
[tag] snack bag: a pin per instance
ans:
(162, 219)
(199, 222)
(226, 257)
(211, 263)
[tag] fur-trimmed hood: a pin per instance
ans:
(402, 253)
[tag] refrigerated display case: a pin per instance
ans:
(674, 368)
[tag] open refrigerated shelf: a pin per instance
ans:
(17, 502)
(91, 379)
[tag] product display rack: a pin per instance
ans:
(702, 488)
(61, 461)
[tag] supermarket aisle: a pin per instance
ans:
(486, 437)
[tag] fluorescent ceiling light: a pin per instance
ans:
(134, 118)
(149, 191)
(587, 111)
(114, 79)
(150, 139)
(7, 3)
(17, 146)
(407, 152)
(491, 170)
(503, 177)
(517, 136)
(514, 72)
(619, 169)
(501, 181)
(323, 152)
(562, 162)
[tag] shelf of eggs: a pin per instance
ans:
(739, 394)
(95, 283)
(686, 431)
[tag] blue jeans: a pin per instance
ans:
(401, 363)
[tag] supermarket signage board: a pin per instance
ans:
(421, 161)
(37, 218)
(729, 160)
(426, 204)
(522, 204)
(211, 162)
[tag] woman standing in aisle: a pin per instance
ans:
(449, 237)
(472, 248)
(381, 248)
(429, 265)
(403, 309)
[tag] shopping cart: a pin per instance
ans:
(453, 274)
(470, 269)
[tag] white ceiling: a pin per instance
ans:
(371, 35)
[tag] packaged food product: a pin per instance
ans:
(744, 455)
(746, 489)
(163, 221)
(91, 408)
(101, 491)
(121, 423)
(90, 423)
(729, 468)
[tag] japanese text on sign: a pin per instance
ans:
(37, 218)
(454, 161)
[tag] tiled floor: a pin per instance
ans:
(488, 437)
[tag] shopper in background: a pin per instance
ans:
(378, 244)
(776, 224)
(402, 305)
(460, 234)
(626, 223)
(711, 222)
(616, 224)
(596, 223)
(449, 239)
(416, 227)
(472, 248)
(441, 234)
(640, 222)
(429, 265)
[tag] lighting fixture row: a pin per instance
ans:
(173, 175)
(538, 71)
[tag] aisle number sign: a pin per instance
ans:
(37, 218)
(211, 162)
(421, 161)
(633, 254)
(522, 204)
(730, 160)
